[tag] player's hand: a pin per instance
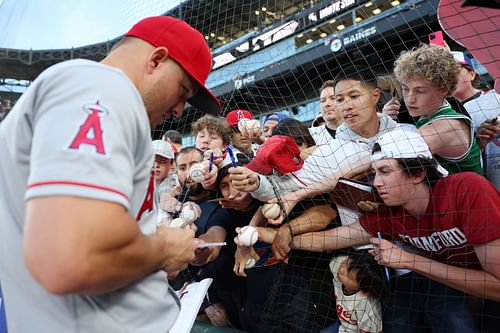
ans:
(241, 257)
(390, 255)
(281, 244)
(391, 108)
(180, 246)
(488, 132)
(244, 179)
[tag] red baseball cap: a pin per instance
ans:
(235, 116)
(187, 47)
(279, 153)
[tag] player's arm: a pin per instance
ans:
(313, 219)
(77, 245)
(332, 239)
(481, 283)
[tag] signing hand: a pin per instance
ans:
(180, 247)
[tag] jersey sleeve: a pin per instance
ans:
(87, 127)
(478, 206)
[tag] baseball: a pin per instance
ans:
(248, 236)
(177, 223)
(196, 172)
(188, 214)
(249, 127)
(271, 211)
(250, 263)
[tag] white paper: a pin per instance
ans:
(191, 300)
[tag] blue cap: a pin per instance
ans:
(278, 116)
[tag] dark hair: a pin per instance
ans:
(173, 135)
(223, 172)
(369, 274)
(187, 150)
(415, 166)
(296, 130)
(362, 74)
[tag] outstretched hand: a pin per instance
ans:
(242, 256)
(244, 179)
(390, 255)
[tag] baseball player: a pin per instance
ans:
(79, 247)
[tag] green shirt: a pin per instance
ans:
(471, 159)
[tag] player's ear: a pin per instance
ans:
(158, 56)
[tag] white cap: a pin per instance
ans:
(399, 143)
(163, 148)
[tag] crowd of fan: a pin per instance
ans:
(319, 267)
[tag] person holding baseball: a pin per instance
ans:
(80, 248)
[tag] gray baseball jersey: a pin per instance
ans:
(79, 130)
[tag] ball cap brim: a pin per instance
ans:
(187, 47)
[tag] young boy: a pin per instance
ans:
(164, 155)
(427, 75)
(359, 287)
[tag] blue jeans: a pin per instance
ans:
(3, 321)
(333, 328)
(417, 304)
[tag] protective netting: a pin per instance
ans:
(331, 75)
(272, 58)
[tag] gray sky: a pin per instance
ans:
(54, 24)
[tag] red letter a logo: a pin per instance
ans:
(91, 124)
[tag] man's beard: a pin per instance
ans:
(192, 189)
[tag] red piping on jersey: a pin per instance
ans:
(62, 182)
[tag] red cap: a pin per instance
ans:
(187, 47)
(279, 153)
(235, 116)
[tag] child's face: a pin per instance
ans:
(348, 279)
(206, 140)
(356, 102)
(162, 167)
(421, 97)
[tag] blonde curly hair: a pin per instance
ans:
(432, 63)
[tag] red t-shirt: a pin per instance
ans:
(464, 211)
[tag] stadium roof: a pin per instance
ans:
(221, 21)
